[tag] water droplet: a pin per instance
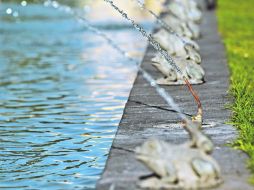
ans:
(55, 4)
(46, 3)
(153, 83)
(127, 54)
(87, 8)
(15, 14)
(23, 3)
(80, 20)
(71, 67)
(67, 9)
(8, 11)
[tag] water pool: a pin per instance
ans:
(62, 94)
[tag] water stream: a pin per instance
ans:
(167, 57)
(147, 36)
(61, 98)
(161, 91)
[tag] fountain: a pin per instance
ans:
(186, 166)
(162, 52)
(191, 167)
(146, 75)
(177, 45)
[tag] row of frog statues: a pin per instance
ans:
(189, 165)
(184, 17)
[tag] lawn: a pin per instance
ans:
(236, 25)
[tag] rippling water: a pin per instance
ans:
(62, 94)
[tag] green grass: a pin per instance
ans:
(236, 25)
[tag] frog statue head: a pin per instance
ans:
(192, 53)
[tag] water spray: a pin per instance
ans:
(163, 52)
(161, 91)
(196, 168)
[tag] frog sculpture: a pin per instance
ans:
(189, 68)
(190, 4)
(185, 12)
(185, 166)
(175, 46)
(183, 28)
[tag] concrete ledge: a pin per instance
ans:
(142, 119)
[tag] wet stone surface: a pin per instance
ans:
(143, 120)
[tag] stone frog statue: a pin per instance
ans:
(186, 11)
(190, 69)
(185, 166)
(183, 28)
(176, 47)
(190, 4)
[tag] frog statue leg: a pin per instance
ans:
(207, 169)
(169, 81)
(166, 173)
(160, 68)
(160, 168)
(170, 76)
(196, 81)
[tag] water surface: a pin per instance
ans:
(62, 94)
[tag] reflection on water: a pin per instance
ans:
(62, 93)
